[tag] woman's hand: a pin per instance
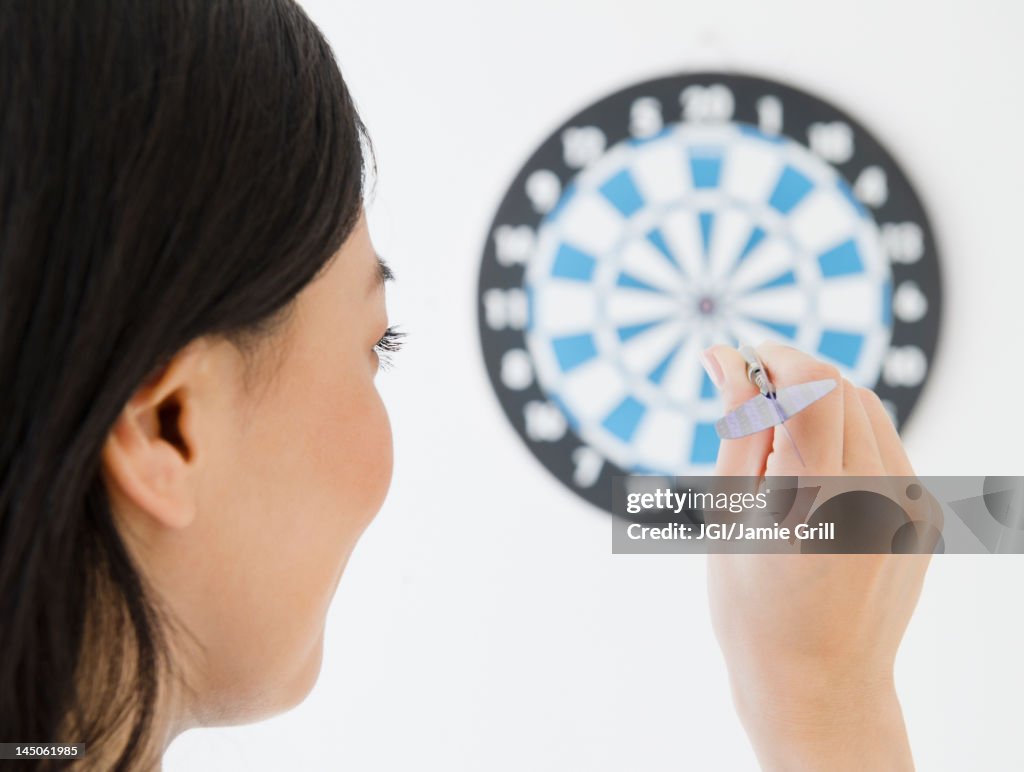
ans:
(810, 640)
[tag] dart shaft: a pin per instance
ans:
(756, 372)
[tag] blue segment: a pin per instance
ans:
(573, 350)
(624, 419)
(531, 301)
(705, 444)
(572, 263)
(887, 303)
(657, 238)
(847, 192)
(841, 260)
(706, 169)
(707, 222)
(842, 347)
(632, 330)
(790, 190)
(786, 330)
(621, 191)
(707, 388)
(631, 282)
(657, 375)
(782, 280)
(570, 417)
(757, 235)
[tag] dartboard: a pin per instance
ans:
(678, 213)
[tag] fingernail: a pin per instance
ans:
(712, 368)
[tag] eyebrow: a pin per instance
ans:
(381, 275)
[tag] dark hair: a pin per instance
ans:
(169, 169)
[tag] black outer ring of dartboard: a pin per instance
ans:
(611, 115)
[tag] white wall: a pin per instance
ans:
(483, 623)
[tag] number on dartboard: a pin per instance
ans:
(581, 145)
(544, 422)
(543, 189)
(833, 141)
(905, 366)
(587, 466)
(516, 369)
(909, 303)
(904, 241)
(506, 309)
(645, 118)
(769, 114)
(872, 186)
(707, 103)
(513, 244)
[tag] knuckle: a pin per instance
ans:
(769, 347)
(817, 371)
(797, 365)
(869, 398)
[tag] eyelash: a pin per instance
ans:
(390, 342)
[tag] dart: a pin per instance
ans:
(772, 407)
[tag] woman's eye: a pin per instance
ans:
(389, 343)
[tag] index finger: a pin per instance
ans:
(743, 457)
(818, 428)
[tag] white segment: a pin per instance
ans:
(789, 305)
(661, 172)
(681, 230)
(642, 260)
(589, 222)
(850, 303)
(751, 170)
(729, 235)
(561, 307)
(593, 390)
(824, 219)
(683, 380)
(751, 334)
(625, 306)
(644, 352)
(660, 438)
(772, 257)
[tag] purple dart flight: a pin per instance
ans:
(772, 406)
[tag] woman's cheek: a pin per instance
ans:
(360, 460)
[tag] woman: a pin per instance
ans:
(191, 317)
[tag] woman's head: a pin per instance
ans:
(189, 310)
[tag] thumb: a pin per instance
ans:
(746, 456)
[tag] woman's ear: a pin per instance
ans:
(149, 459)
